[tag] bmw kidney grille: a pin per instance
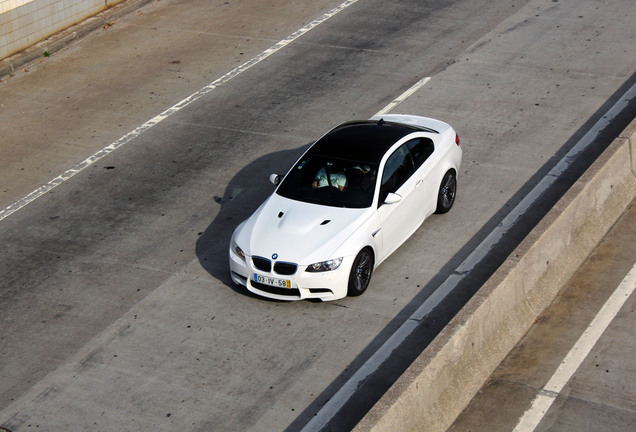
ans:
(282, 268)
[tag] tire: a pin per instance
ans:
(361, 271)
(447, 192)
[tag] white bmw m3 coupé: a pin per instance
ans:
(351, 199)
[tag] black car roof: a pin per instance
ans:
(362, 141)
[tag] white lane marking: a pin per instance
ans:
(170, 111)
(542, 402)
(331, 408)
(421, 83)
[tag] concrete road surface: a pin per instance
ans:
(127, 159)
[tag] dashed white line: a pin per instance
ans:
(167, 113)
(543, 401)
(421, 83)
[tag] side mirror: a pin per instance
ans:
(275, 178)
(392, 198)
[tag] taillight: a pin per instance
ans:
(456, 139)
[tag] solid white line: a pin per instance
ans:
(541, 404)
(167, 113)
(326, 413)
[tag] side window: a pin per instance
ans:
(398, 168)
(421, 149)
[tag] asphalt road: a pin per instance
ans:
(117, 308)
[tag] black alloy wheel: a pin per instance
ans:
(361, 271)
(447, 192)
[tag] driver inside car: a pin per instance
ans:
(330, 176)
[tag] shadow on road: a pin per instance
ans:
(243, 195)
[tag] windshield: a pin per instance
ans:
(329, 181)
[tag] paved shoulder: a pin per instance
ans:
(598, 396)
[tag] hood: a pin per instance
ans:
(298, 232)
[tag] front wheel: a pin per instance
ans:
(447, 192)
(361, 271)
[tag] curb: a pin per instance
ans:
(441, 382)
(61, 39)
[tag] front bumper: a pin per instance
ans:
(303, 285)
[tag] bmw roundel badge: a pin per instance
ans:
(275, 256)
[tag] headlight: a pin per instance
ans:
(237, 250)
(325, 265)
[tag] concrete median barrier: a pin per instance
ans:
(445, 377)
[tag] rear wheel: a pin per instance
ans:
(447, 192)
(361, 271)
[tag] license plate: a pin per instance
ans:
(281, 283)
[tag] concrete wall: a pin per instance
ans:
(442, 381)
(25, 22)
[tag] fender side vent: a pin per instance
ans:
(325, 222)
